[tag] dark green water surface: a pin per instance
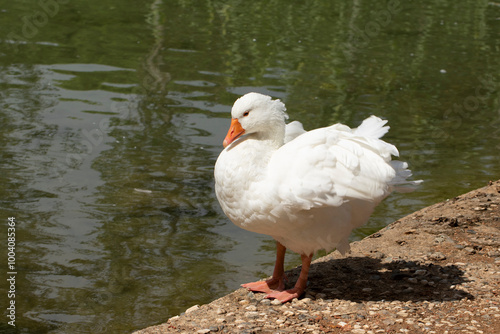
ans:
(113, 113)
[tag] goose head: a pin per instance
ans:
(258, 115)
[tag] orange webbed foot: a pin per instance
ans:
(269, 286)
(286, 295)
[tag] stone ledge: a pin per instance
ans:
(436, 271)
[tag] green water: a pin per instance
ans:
(113, 113)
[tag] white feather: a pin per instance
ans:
(312, 191)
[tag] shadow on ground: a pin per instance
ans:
(367, 279)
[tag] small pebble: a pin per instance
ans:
(192, 308)
(470, 250)
(265, 302)
(388, 322)
(252, 314)
(203, 331)
(438, 256)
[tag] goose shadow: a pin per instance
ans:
(367, 279)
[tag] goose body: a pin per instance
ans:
(307, 190)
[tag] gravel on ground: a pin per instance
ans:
(434, 271)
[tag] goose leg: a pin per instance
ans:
(300, 286)
(275, 283)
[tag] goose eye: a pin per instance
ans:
(246, 113)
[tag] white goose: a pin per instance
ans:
(307, 190)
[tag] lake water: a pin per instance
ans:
(113, 114)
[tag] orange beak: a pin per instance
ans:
(235, 130)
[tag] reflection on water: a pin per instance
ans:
(113, 116)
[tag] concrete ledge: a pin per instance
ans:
(435, 271)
